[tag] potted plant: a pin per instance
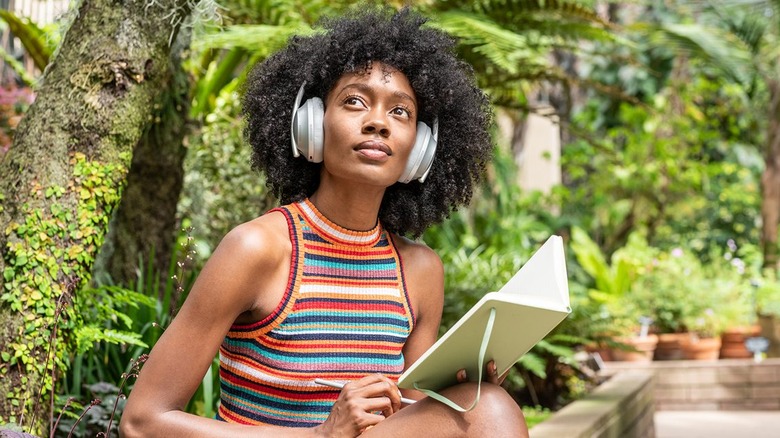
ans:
(662, 290)
(710, 304)
(703, 340)
(617, 331)
(739, 321)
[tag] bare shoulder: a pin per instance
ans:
(263, 240)
(417, 256)
(250, 265)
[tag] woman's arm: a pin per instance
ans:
(424, 274)
(245, 268)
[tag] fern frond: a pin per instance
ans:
(534, 364)
(509, 10)
(718, 47)
(554, 349)
(507, 50)
(259, 39)
(88, 336)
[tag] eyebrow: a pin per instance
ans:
(367, 89)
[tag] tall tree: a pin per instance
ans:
(144, 225)
(63, 177)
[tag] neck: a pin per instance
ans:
(355, 209)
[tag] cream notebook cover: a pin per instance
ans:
(532, 303)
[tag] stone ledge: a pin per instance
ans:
(731, 384)
(621, 406)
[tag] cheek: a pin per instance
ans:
(334, 133)
(409, 142)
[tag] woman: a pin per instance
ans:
(389, 134)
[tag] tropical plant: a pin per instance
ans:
(220, 188)
(103, 370)
(739, 37)
(509, 43)
(39, 43)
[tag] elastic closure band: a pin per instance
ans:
(482, 349)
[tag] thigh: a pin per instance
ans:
(496, 415)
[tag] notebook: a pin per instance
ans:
(532, 303)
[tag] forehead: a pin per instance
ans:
(378, 76)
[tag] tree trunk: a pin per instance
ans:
(144, 227)
(62, 179)
(770, 180)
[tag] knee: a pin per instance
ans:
(496, 414)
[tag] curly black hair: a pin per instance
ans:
(444, 87)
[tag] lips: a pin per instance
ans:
(374, 149)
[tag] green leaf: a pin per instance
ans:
(534, 364)
(20, 260)
(32, 37)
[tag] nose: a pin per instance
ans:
(376, 123)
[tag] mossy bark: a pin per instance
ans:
(143, 229)
(61, 180)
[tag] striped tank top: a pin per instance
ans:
(345, 314)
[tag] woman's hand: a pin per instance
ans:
(361, 404)
(490, 376)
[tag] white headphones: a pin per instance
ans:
(306, 130)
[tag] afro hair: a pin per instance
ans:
(444, 86)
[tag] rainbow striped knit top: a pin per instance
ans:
(345, 314)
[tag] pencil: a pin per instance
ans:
(338, 385)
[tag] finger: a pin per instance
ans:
(387, 390)
(369, 420)
(461, 376)
(376, 386)
(491, 372)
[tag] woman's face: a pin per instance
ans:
(370, 125)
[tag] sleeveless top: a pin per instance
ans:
(345, 314)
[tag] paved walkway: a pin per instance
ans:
(717, 424)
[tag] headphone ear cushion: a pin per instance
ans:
(307, 130)
(421, 156)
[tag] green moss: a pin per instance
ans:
(49, 256)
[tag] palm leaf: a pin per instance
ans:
(554, 349)
(17, 67)
(714, 45)
(220, 72)
(32, 37)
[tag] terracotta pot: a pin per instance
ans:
(695, 348)
(669, 346)
(645, 347)
(733, 342)
(604, 353)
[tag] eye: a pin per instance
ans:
(354, 100)
(401, 111)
